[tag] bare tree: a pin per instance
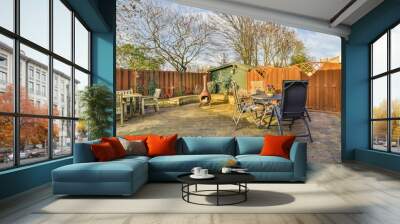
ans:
(126, 11)
(241, 33)
(280, 45)
(176, 37)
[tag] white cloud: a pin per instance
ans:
(320, 45)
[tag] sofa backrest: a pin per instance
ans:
(190, 146)
(83, 153)
(206, 145)
(249, 145)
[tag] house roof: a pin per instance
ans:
(227, 66)
(326, 16)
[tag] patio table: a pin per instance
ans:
(133, 101)
(266, 101)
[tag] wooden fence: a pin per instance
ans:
(324, 90)
(168, 81)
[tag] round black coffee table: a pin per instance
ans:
(238, 179)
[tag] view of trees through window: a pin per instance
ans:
(37, 112)
(385, 92)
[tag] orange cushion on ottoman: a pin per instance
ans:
(161, 145)
(103, 152)
(277, 146)
(116, 145)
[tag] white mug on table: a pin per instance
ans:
(196, 171)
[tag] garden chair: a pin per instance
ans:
(241, 105)
(292, 107)
(119, 107)
(151, 101)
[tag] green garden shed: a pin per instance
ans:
(238, 72)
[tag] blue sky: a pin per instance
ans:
(318, 45)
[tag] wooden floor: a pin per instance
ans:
(378, 189)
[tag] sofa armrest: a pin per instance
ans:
(298, 155)
(83, 152)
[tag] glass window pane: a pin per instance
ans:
(81, 82)
(379, 97)
(6, 74)
(62, 89)
(33, 140)
(395, 129)
(379, 135)
(6, 142)
(35, 21)
(62, 138)
(62, 29)
(81, 45)
(81, 131)
(7, 14)
(395, 94)
(34, 97)
(395, 47)
(379, 55)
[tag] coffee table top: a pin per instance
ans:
(220, 178)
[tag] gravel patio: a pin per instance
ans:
(191, 120)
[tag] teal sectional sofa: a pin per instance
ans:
(125, 176)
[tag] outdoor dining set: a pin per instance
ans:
(129, 103)
(285, 107)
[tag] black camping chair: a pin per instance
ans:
(292, 106)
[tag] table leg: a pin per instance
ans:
(131, 107)
(245, 193)
(195, 188)
(217, 194)
(264, 114)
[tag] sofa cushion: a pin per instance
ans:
(207, 145)
(185, 163)
(134, 147)
(83, 152)
(116, 145)
(257, 163)
(277, 145)
(161, 145)
(103, 152)
(112, 171)
(249, 145)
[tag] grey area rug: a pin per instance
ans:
(166, 198)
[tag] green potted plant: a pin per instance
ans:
(97, 102)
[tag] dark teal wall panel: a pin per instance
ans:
(356, 118)
(24, 178)
(103, 63)
(103, 51)
(380, 159)
(355, 124)
(89, 11)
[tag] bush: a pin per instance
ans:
(212, 87)
(152, 87)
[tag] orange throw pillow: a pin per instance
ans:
(116, 145)
(161, 145)
(103, 152)
(277, 146)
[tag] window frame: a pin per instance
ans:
(16, 114)
(388, 74)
